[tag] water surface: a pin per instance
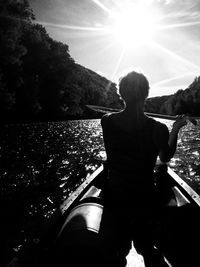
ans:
(42, 163)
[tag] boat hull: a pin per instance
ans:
(84, 234)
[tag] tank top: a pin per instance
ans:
(131, 156)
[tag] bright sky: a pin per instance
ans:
(161, 38)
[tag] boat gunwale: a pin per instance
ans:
(105, 110)
(185, 188)
(78, 193)
(76, 196)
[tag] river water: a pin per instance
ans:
(42, 163)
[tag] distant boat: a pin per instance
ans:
(104, 110)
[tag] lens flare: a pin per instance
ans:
(133, 25)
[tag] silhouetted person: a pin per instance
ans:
(133, 141)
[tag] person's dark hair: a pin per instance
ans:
(134, 87)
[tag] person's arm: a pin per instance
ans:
(168, 148)
(104, 125)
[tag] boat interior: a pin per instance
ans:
(86, 235)
(83, 234)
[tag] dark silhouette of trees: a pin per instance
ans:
(182, 102)
(38, 78)
(13, 14)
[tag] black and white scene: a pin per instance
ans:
(99, 133)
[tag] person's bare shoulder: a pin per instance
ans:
(161, 128)
(104, 118)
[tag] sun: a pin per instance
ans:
(133, 25)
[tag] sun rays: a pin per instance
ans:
(73, 27)
(175, 78)
(175, 55)
(103, 7)
(118, 63)
(179, 25)
(133, 26)
(129, 27)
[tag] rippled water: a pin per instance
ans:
(41, 164)
(186, 161)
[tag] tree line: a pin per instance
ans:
(182, 102)
(39, 80)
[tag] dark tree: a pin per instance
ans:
(13, 14)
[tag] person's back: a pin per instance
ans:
(131, 148)
(132, 142)
(132, 151)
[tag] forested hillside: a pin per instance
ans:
(39, 80)
(182, 102)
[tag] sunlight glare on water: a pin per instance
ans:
(186, 161)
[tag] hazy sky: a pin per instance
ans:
(161, 38)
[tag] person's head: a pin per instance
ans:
(134, 88)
